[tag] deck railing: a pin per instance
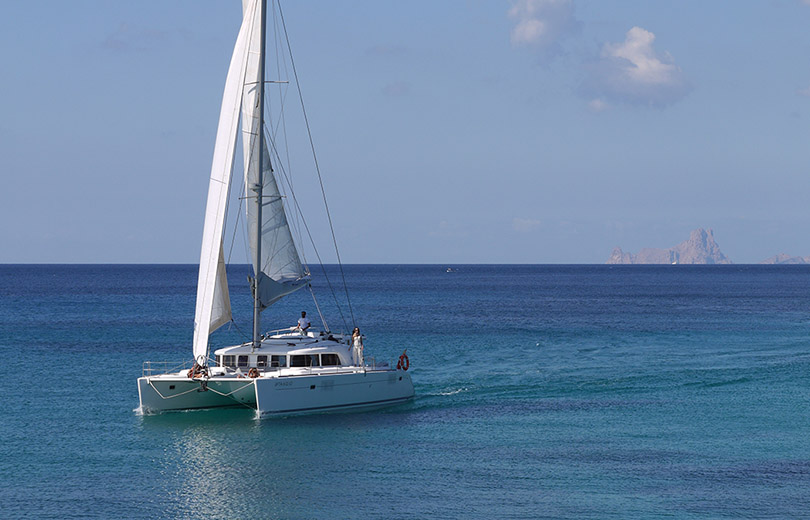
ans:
(154, 368)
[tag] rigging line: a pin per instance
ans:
(280, 115)
(282, 95)
(269, 260)
(311, 240)
(314, 299)
(299, 212)
(239, 331)
(281, 126)
(315, 157)
(272, 137)
(236, 224)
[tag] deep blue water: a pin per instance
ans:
(542, 392)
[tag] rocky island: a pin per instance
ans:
(699, 249)
(783, 259)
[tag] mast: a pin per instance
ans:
(257, 188)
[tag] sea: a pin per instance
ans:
(542, 391)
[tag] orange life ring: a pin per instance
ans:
(253, 373)
(404, 363)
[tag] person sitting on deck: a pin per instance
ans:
(303, 323)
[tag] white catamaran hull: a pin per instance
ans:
(161, 393)
(278, 395)
(332, 392)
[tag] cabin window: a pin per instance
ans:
(330, 360)
(310, 360)
(219, 361)
(299, 361)
(228, 361)
(261, 361)
(278, 361)
(243, 361)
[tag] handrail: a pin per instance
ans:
(151, 368)
(315, 333)
(154, 368)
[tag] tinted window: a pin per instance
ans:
(228, 361)
(243, 361)
(310, 360)
(278, 361)
(330, 360)
(300, 361)
(261, 361)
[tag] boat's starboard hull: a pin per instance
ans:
(323, 393)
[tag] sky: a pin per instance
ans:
(526, 131)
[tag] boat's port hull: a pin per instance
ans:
(286, 395)
(162, 393)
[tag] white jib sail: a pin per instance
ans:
(213, 305)
(280, 271)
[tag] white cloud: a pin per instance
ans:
(633, 72)
(644, 66)
(597, 105)
(804, 92)
(525, 225)
(541, 23)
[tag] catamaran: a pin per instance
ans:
(285, 371)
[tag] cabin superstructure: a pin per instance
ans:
(279, 354)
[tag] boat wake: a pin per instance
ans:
(453, 392)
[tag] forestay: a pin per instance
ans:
(213, 303)
(280, 270)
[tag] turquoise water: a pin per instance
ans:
(542, 392)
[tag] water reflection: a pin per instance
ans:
(227, 463)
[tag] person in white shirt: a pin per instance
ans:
(303, 323)
(357, 347)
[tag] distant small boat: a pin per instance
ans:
(450, 270)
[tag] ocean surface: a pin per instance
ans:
(541, 392)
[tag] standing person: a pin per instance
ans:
(303, 323)
(357, 350)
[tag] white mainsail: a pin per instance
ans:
(213, 304)
(280, 270)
